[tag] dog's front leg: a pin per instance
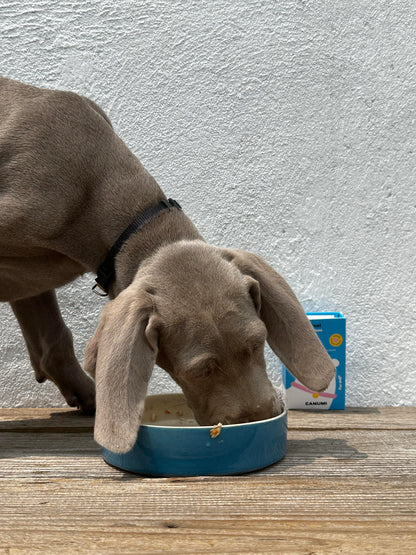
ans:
(51, 351)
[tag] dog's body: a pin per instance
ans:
(68, 188)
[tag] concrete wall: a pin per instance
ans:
(283, 127)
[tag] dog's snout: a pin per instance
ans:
(261, 411)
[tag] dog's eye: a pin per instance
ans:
(253, 348)
(205, 370)
(203, 373)
(257, 346)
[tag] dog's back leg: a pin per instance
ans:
(51, 351)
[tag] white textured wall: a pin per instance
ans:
(283, 127)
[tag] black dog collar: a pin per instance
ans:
(106, 271)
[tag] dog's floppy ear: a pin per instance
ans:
(121, 356)
(290, 333)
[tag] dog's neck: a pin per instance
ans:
(168, 227)
(128, 190)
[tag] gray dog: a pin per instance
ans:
(74, 199)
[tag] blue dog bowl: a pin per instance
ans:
(170, 443)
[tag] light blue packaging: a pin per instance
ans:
(330, 328)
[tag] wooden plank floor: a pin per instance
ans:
(346, 485)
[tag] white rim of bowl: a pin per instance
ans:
(213, 426)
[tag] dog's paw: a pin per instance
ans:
(81, 394)
(84, 400)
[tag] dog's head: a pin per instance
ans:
(203, 314)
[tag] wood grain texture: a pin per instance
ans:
(344, 487)
(383, 418)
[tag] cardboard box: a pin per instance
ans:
(330, 328)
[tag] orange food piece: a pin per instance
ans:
(215, 430)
